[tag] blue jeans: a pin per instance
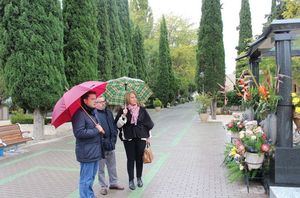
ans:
(87, 176)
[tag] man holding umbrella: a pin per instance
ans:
(88, 143)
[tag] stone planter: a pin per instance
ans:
(219, 111)
(254, 160)
(203, 117)
(157, 109)
(269, 126)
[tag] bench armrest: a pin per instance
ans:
(1, 142)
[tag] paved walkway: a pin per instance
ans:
(188, 157)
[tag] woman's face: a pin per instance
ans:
(132, 99)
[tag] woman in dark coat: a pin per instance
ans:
(135, 124)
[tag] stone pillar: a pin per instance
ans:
(284, 108)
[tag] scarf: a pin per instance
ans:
(134, 110)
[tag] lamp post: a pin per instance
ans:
(201, 75)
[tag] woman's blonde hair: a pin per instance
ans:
(127, 97)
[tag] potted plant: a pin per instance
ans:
(157, 104)
(296, 103)
(203, 101)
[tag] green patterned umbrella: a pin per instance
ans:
(117, 88)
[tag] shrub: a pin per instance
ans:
(25, 118)
(157, 102)
(21, 118)
(233, 99)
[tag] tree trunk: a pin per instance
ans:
(38, 124)
(213, 109)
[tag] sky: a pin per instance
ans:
(191, 10)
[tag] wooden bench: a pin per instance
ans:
(11, 135)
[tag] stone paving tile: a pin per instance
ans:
(188, 157)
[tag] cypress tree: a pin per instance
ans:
(81, 39)
(34, 64)
(117, 40)
(104, 47)
(245, 27)
(139, 54)
(245, 35)
(210, 49)
(129, 68)
(164, 88)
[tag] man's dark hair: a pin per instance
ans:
(86, 96)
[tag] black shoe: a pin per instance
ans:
(139, 182)
(131, 185)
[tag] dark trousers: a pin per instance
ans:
(134, 152)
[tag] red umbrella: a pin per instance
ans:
(69, 103)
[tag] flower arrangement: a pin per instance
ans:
(235, 125)
(263, 97)
(296, 102)
(255, 140)
(252, 140)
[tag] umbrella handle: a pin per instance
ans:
(88, 115)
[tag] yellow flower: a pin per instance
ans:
(233, 151)
(294, 95)
(295, 100)
(297, 109)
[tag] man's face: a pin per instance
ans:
(90, 101)
(100, 103)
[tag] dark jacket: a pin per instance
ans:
(106, 120)
(88, 140)
(141, 130)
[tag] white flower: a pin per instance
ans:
(258, 130)
(253, 137)
(241, 167)
(249, 132)
(237, 156)
(242, 135)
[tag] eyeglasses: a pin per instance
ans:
(100, 101)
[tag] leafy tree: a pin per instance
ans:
(117, 41)
(210, 50)
(139, 54)
(245, 27)
(128, 69)
(165, 88)
(141, 15)
(292, 9)
(34, 64)
(81, 39)
(104, 48)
